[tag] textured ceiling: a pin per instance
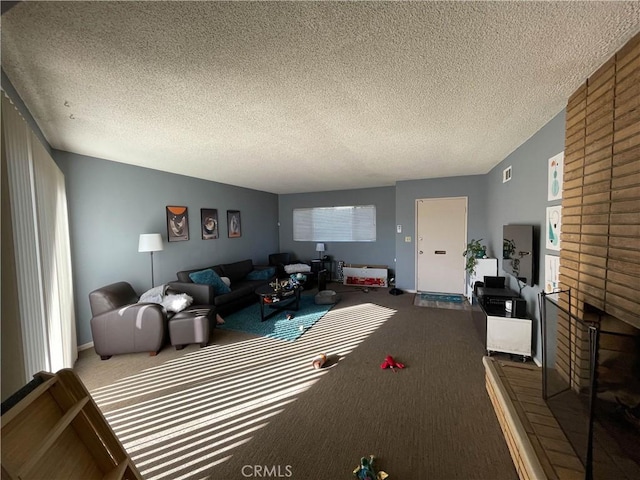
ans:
(305, 96)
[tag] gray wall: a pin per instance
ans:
(523, 200)
(380, 252)
(111, 204)
(407, 192)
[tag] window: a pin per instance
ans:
(335, 224)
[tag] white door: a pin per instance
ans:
(441, 239)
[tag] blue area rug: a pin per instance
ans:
(437, 297)
(277, 326)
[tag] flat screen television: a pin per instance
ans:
(517, 252)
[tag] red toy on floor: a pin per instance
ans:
(389, 362)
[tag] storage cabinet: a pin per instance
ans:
(485, 267)
(365, 276)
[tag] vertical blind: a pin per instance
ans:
(42, 248)
(335, 224)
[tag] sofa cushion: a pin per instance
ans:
(261, 274)
(237, 270)
(111, 297)
(183, 276)
(242, 290)
(209, 277)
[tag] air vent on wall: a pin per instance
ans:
(506, 174)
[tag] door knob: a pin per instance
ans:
(420, 252)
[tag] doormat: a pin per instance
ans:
(440, 297)
(441, 300)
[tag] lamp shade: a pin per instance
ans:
(150, 242)
(319, 247)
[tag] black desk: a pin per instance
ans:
(495, 297)
(491, 302)
(499, 330)
(502, 293)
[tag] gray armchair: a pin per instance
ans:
(120, 325)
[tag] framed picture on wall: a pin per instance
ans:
(233, 223)
(552, 227)
(209, 223)
(177, 223)
(551, 273)
(554, 182)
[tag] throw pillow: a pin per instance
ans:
(297, 268)
(176, 303)
(209, 277)
(226, 280)
(262, 274)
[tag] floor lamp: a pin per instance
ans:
(150, 242)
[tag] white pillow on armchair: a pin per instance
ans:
(176, 303)
(297, 268)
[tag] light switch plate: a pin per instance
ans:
(399, 228)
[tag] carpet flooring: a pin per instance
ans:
(277, 326)
(253, 407)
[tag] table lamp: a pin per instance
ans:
(319, 249)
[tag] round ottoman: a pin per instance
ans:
(326, 297)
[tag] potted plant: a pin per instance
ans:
(474, 251)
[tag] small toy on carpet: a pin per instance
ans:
(366, 470)
(389, 362)
(318, 360)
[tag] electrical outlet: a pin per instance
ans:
(399, 228)
(407, 239)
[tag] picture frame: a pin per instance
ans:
(553, 226)
(234, 227)
(551, 273)
(555, 177)
(177, 223)
(209, 223)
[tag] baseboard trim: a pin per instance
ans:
(85, 346)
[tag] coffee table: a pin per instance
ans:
(277, 301)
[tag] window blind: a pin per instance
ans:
(41, 248)
(335, 224)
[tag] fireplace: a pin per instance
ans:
(590, 329)
(591, 383)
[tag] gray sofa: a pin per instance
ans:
(242, 288)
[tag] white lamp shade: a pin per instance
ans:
(319, 247)
(150, 242)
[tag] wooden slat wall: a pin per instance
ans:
(623, 275)
(600, 256)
